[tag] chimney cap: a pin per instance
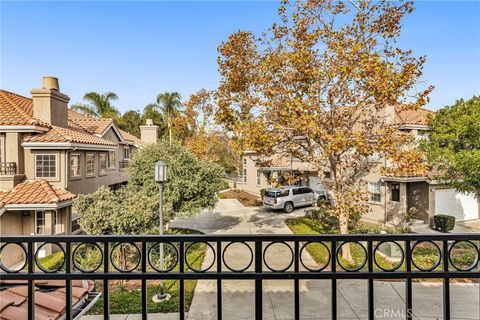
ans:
(49, 82)
(149, 122)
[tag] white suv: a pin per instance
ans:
(287, 198)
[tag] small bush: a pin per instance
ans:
(329, 221)
(53, 261)
(262, 192)
(444, 223)
(370, 228)
(222, 196)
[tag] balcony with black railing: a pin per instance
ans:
(8, 168)
(123, 164)
(254, 266)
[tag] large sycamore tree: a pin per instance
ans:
(316, 86)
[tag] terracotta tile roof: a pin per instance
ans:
(49, 298)
(130, 137)
(72, 135)
(75, 114)
(35, 192)
(16, 110)
(404, 115)
(90, 125)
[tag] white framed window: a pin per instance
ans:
(57, 222)
(374, 190)
(39, 222)
(259, 174)
(90, 164)
(126, 153)
(244, 174)
(45, 165)
(102, 163)
(112, 159)
(74, 165)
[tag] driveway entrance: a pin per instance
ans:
(231, 217)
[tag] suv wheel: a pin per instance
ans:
(288, 207)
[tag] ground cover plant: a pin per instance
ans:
(125, 297)
(425, 255)
(247, 199)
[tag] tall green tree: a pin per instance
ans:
(133, 209)
(98, 105)
(131, 121)
(169, 104)
(453, 146)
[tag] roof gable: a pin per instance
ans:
(16, 110)
(35, 192)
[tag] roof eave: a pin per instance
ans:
(404, 179)
(66, 146)
(33, 128)
(37, 206)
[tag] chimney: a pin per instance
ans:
(389, 114)
(149, 132)
(49, 104)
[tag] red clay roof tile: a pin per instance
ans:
(35, 192)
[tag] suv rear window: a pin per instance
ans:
(276, 194)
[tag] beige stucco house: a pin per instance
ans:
(49, 154)
(390, 197)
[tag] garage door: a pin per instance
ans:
(461, 206)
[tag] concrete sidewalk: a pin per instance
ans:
(238, 296)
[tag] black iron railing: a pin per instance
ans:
(256, 267)
(123, 164)
(8, 168)
(76, 224)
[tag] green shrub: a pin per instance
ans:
(370, 228)
(330, 221)
(222, 196)
(262, 192)
(53, 261)
(444, 222)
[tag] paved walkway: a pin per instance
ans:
(238, 296)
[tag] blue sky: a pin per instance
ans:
(139, 49)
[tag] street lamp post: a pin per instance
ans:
(161, 177)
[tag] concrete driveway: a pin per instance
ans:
(230, 216)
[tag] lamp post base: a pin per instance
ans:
(161, 297)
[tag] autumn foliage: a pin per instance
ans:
(316, 85)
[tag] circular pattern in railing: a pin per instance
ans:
(167, 262)
(195, 246)
(125, 256)
(463, 255)
(321, 250)
(87, 257)
(391, 252)
(56, 257)
(421, 254)
(8, 250)
(239, 257)
(354, 265)
(275, 252)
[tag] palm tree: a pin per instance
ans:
(169, 104)
(99, 107)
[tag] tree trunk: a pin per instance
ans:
(342, 216)
(170, 133)
(343, 219)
